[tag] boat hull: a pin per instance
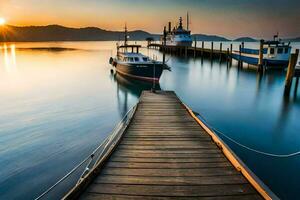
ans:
(145, 72)
(266, 62)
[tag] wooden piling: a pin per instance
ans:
(241, 49)
(185, 52)
(227, 55)
(202, 49)
(240, 56)
(195, 48)
(212, 50)
(231, 54)
(261, 56)
(221, 51)
(290, 72)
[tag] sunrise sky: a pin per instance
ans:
(230, 18)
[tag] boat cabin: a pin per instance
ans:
(133, 58)
(277, 49)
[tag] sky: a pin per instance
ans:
(229, 18)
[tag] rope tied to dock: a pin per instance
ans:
(244, 146)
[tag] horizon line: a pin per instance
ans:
(83, 27)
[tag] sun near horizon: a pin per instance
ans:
(2, 21)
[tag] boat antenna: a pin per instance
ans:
(276, 36)
(126, 35)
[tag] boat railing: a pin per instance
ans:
(81, 170)
(253, 51)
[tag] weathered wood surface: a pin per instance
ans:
(165, 154)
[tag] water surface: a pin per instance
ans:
(60, 100)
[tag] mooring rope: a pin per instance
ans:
(244, 146)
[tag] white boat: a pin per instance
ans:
(179, 36)
(275, 53)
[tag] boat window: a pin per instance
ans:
(130, 59)
(272, 50)
(280, 50)
(286, 50)
(136, 59)
(145, 59)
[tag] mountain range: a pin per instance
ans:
(61, 33)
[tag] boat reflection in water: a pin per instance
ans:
(128, 88)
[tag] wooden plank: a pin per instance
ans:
(94, 196)
(168, 155)
(166, 147)
(207, 143)
(171, 172)
(175, 191)
(175, 151)
(195, 165)
(156, 180)
(167, 160)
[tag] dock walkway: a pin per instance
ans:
(165, 154)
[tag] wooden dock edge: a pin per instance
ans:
(263, 190)
(76, 191)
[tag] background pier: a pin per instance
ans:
(193, 50)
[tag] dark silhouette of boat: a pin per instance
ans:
(136, 65)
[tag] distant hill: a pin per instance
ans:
(245, 39)
(202, 37)
(294, 39)
(61, 33)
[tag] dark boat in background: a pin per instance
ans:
(136, 65)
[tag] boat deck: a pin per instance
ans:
(166, 154)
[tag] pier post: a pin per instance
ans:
(227, 55)
(290, 73)
(164, 45)
(230, 54)
(212, 50)
(202, 49)
(243, 45)
(261, 56)
(221, 51)
(195, 48)
(185, 52)
(240, 56)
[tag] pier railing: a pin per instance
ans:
(81, 170)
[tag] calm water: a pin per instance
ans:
(57, 104)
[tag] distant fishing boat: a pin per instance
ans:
(136, 65)
(275, 54)
(179, 36)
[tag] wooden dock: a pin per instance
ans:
(165, 153)
(195, 51)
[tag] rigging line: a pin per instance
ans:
(244, 146)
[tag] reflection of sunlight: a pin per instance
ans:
(9, 57)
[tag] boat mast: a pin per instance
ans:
(126, 35)
(187, 21)
(180, 23)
